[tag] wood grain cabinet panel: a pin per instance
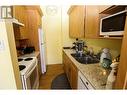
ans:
(34, 23)
(103, 7)
(20, 13)
(92, 22)
(66, 66)
(76, 22)
(30, 16)
(83, 21)
(122, 68)
(71, 71)
(74, 74)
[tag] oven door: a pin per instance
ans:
(32, 79)
(83, 83)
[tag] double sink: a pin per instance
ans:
(85, 58)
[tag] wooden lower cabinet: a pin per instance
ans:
(74, 75)
(71, 71)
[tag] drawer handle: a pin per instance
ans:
(83, 83)
(87, 83)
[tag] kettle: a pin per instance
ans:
(105, 58)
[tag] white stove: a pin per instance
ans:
(29, 72)
(28, 64)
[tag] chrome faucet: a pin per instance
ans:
(79, 47)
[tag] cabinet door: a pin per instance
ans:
(76, 22)
(71, 71)
(66, 65)
(17, 12)
(91, 21)
(74, 74)
(24, 30)
(103, 7)
(122, 68)
(64, 62)
(20, 13)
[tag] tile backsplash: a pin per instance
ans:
(113, 44)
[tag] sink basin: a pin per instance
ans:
(78, 55)
(85, 59)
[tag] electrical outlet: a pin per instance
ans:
(2, 46)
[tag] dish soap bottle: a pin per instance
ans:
(105, 58)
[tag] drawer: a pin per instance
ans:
(83, 83)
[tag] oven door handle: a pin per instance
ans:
(83, 82)
(28, 74)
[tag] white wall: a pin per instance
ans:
(56, 28)
(7, 79)
(66, 41)
(51, 24)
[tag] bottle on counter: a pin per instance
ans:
(91, 52)
(112, 77)
(105, 58)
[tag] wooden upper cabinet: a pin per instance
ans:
(84, 21)
(31, 20)
(103, 7)
(39, 20)
(34, 19)
(20, 13)
(76, 22)
(39, 14)
(91, 21)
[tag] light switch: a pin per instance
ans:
(2, 46)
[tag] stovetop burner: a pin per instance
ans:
(21, 67)
(28, 59)
(20, 59)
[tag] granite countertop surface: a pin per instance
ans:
(33, 54)
(94, 73)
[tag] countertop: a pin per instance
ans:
(34, 54)
(94, 73)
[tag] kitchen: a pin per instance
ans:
(43, 38)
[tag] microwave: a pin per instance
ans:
(113, 25)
